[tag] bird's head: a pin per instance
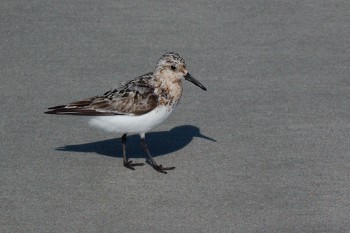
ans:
(173, 65)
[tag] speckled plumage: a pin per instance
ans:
(137, 105)
(135, 97)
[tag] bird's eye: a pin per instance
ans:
(173, 67)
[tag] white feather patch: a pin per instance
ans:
(131, 124)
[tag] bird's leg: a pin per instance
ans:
(128, 164)
(152, 162)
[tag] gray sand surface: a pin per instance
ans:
(277, 109)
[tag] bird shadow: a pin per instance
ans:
(159, 143)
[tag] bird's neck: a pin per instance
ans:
(169, 88)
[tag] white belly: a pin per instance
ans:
(131, 124)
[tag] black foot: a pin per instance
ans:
(161, 169)
(131, 165)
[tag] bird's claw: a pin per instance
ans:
(161, 169)
(131, 165)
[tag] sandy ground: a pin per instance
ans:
(265, 149)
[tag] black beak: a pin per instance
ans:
(194, 81)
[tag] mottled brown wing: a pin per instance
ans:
(135, 97)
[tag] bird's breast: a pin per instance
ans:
(169, 92)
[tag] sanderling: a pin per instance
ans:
(136, 106)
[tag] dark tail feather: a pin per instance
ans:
(59, 110)
(59, 106)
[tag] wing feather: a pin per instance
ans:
(135, 97)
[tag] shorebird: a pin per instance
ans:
(136, 106)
